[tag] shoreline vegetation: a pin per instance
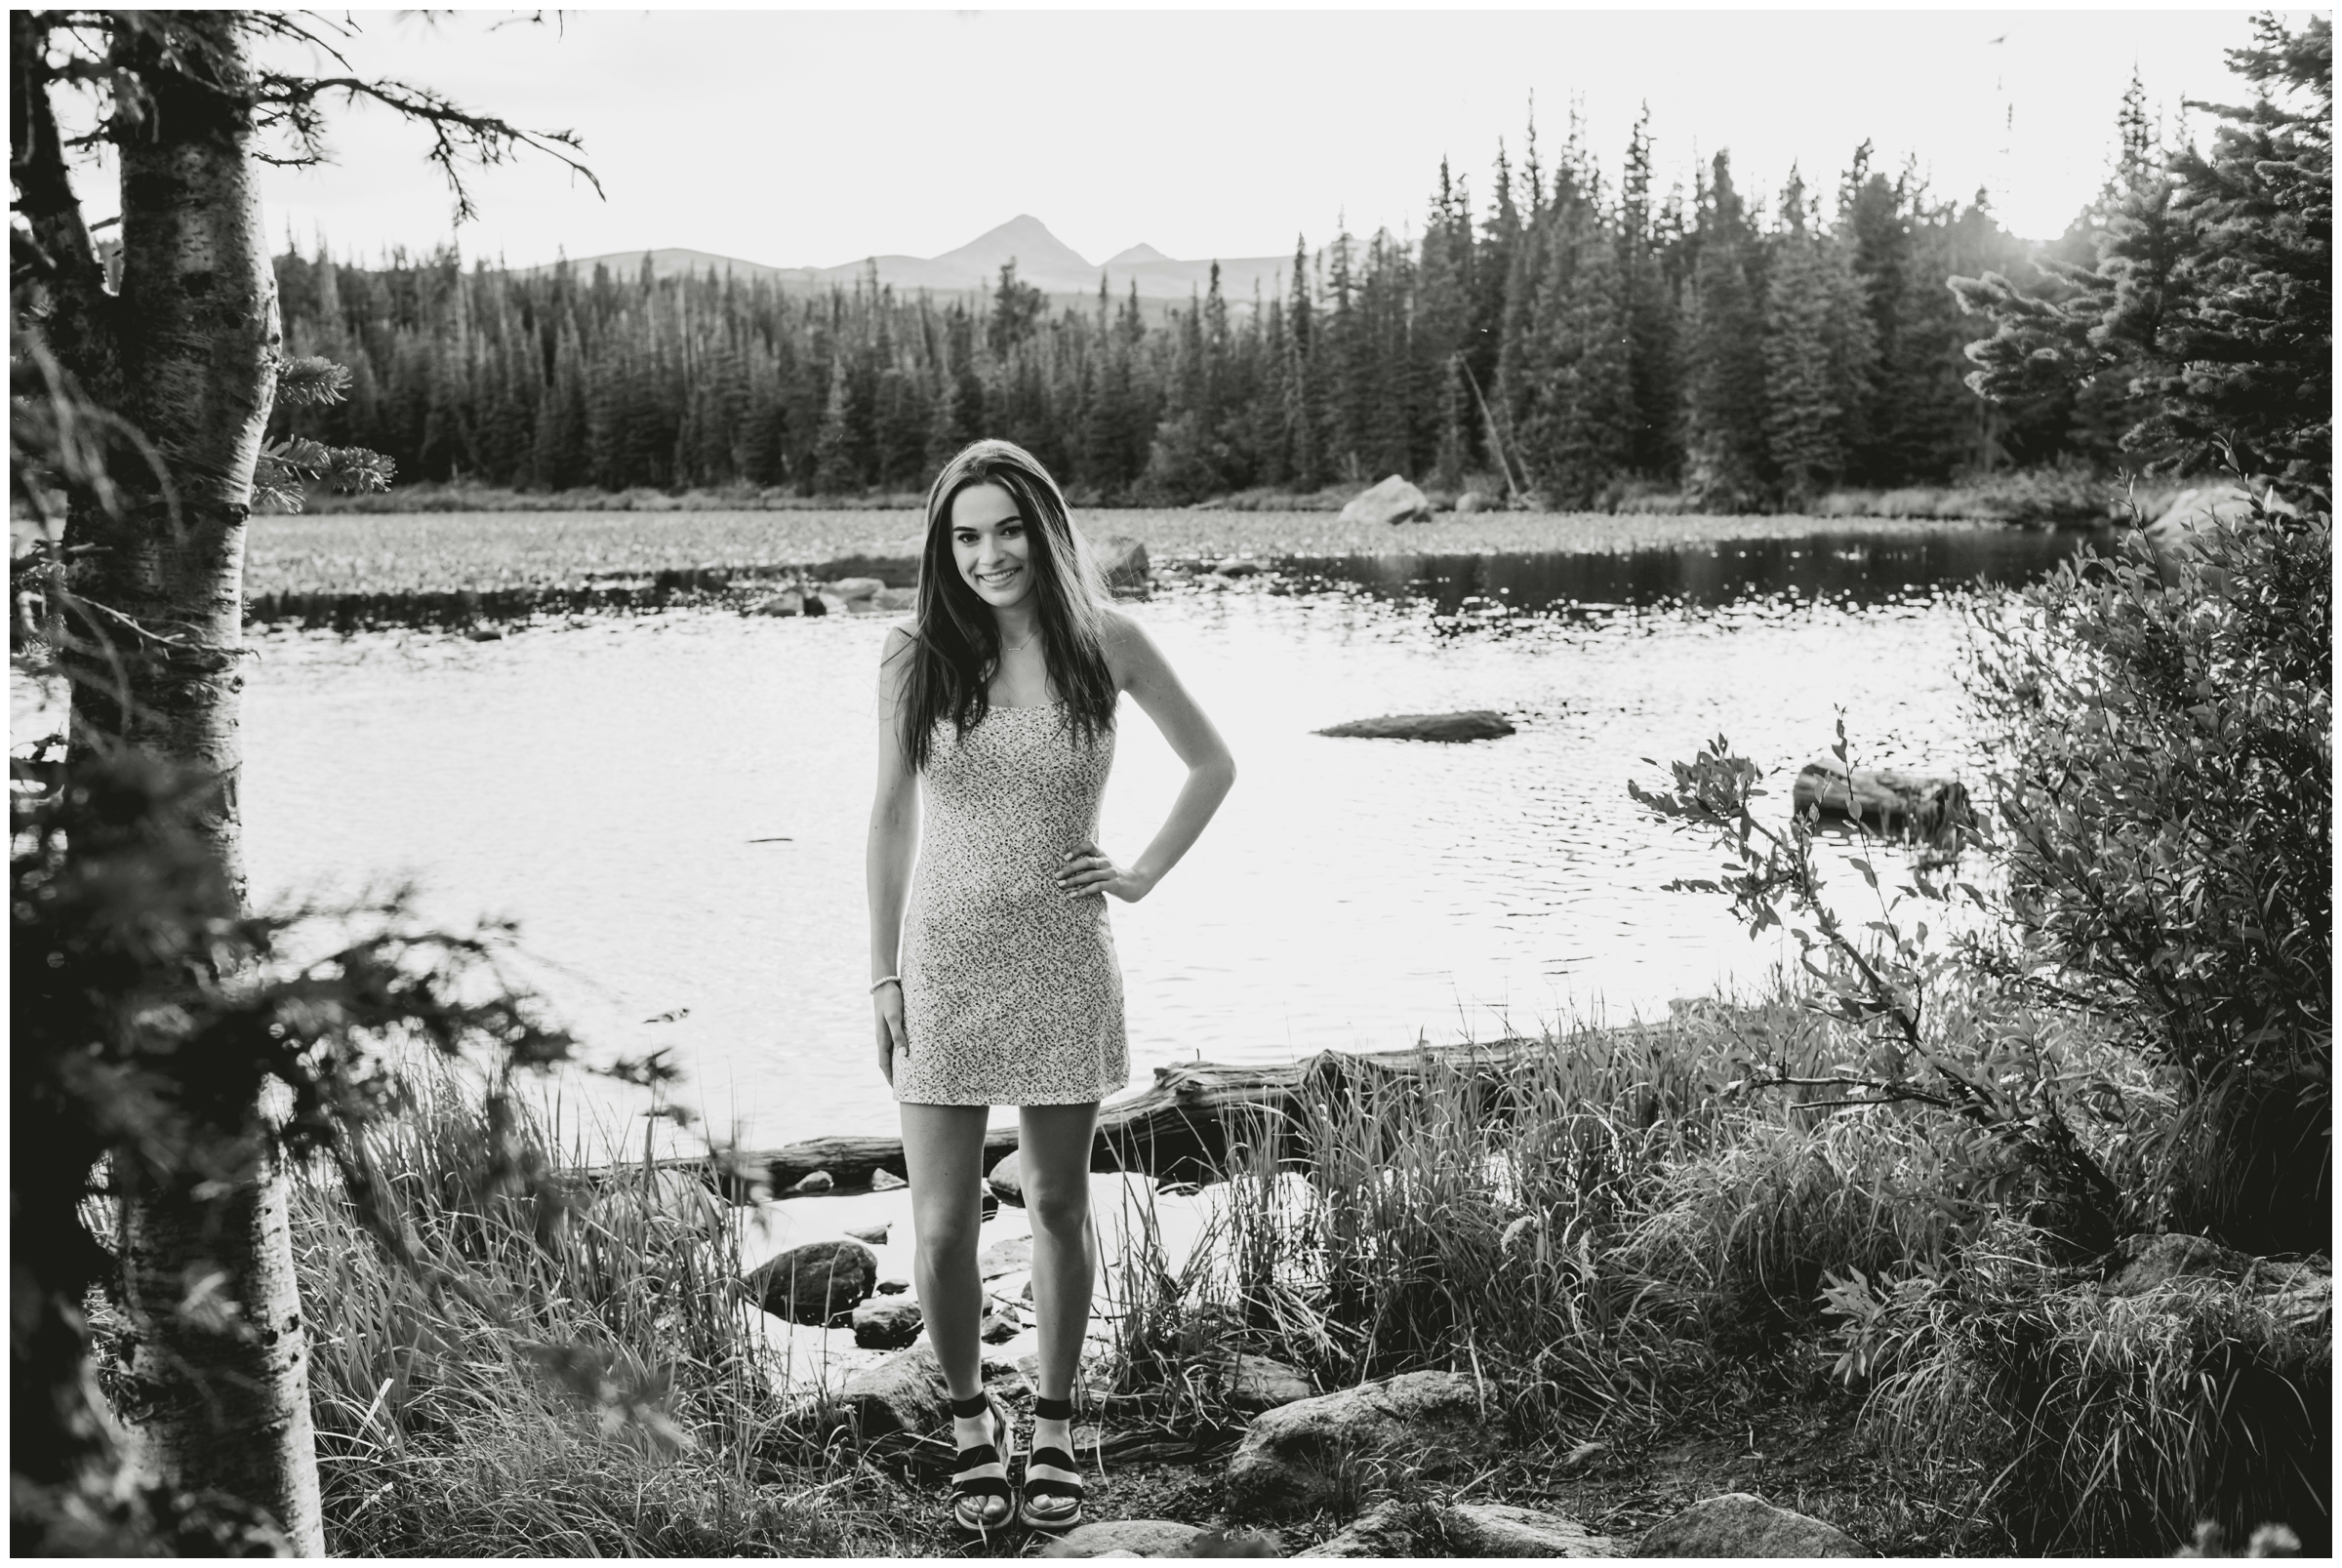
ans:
(482, 556)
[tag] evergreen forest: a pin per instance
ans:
(1573, 338)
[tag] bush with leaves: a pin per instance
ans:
(2163, 732)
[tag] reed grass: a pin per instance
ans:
(2078, 1419)
(569, 1372)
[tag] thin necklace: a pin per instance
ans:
(1021, 647)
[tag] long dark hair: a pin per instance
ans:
(955, 648)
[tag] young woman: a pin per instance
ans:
(993, 968)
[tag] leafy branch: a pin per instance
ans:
(1879, 987)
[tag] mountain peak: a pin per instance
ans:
(1040, 255)
(1136, 256)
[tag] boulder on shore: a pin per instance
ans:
(887, 1322)
(1255, 1383)
(1739, 1524)
(1135, 1537)
(1477, 500)
(1503, 1530)
(1474, 724)
(1007, 1181)
(1394, 500)
(904, 1394)
(1123, 561)
(854, 589)
(1884, 799)
(1292, 1459)
(818, 1282)
(1004, 1257)
(779, 604)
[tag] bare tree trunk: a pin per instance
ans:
(220, 1364)
(220, 1367)
(196, 340)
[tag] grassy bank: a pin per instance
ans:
(1625, 1244)
(383, 552)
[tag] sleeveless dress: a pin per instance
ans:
(1011, 994)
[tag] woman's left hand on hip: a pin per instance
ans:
(1087, 869)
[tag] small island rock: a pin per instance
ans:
(1472, 724)
(1475, 500)
(1394, 500)
(1739, 1524)
(854, 589)
(779, 604)
(1004, 1257)
(873, 1235)
(818, 1282)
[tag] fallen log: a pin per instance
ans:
(1185, 1126)
(1919, 806)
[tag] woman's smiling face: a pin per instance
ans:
(989, 545)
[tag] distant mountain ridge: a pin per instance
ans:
(1042, 260)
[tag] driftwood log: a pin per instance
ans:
(1182, 1127)
(1919, 806)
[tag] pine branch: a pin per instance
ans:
(461, 138)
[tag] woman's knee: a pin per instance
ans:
(1059, 1209)
(947, 1238)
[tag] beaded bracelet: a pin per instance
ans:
(885, 979)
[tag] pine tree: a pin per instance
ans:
(1802, 416)
(1724, 367)
(1655, 447)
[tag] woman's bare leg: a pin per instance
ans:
(1053, 1164)
(943, 1148)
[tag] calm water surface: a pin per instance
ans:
(674, 807)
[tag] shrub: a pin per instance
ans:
(2162, 736)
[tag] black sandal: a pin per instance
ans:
(981, 1474)
(1051, 1478)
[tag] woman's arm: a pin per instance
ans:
(894, 839)
(1147, 676)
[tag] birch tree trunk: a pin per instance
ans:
(187, 354)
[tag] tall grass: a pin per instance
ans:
(1584, 1223)
(2080, 1419)
(574, 1376)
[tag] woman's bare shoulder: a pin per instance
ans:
(1129, 651)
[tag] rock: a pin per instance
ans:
(1140, 1538)
(895, 598)
(1004, 1257)
(1884, 799)
(855, 589)
(779, 604)
(1238, 566)
(1738, 1524)
(1475, 500)
(1292, 1459)
(1474, 724)
(1394, 500)
(874, 1234)
(818, 1282)
(887, 1322)
(1255, 1384)
(2196, 507)
(904, 1394)
(816, 605)
(1001, 1324)
(1123, 561)
(1005, 1181)
(894, 1286)
(831, 605)
(486, 634)
(1502, 1530)
(814, 1182)
(884, 1181)
(1382, 1531)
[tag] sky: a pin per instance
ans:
(816, 138)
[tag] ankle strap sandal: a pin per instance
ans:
(1052, 1492)
(981, 1500)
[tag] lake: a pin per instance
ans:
(673, 806)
